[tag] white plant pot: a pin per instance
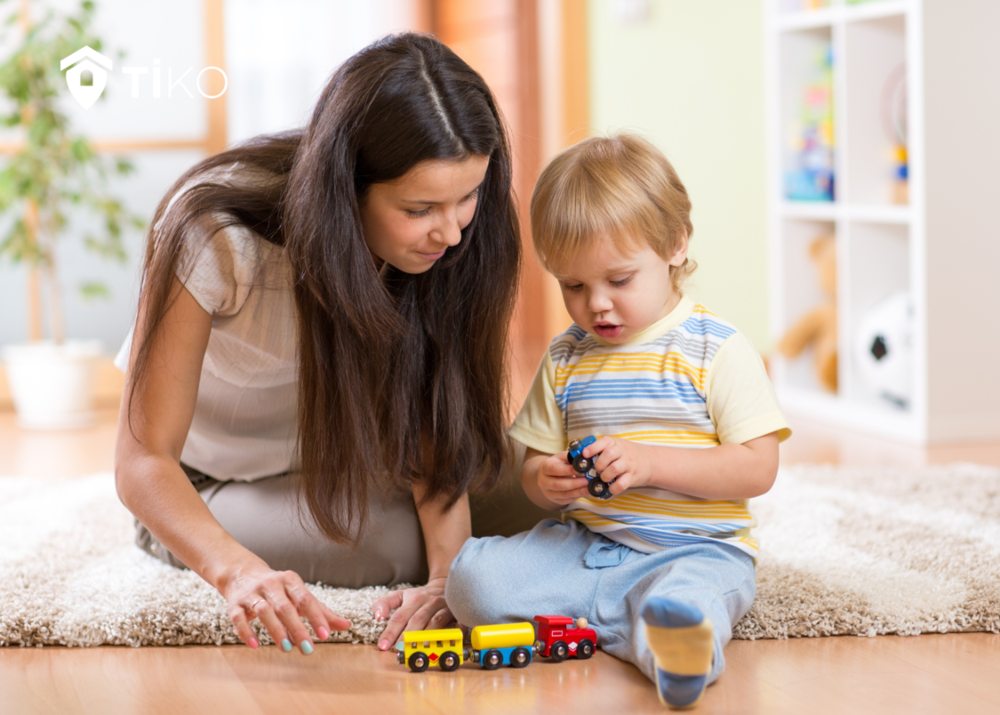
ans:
(53, 385)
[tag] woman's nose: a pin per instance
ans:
(449, 230)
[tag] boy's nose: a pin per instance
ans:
(599, 302)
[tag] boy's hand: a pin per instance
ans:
(620, 461)
(559, 482)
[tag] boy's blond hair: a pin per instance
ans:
(619, 187)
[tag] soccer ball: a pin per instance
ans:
(883, 349)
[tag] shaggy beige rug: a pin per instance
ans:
(859, 551)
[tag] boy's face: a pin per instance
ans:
(616, 293)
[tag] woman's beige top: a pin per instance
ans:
(245, 420)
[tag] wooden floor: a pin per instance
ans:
(925, 674)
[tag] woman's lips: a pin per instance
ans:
(431, 256)
(606, 330)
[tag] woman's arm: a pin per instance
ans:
(729, 471)
(444, 531)
(153, 486)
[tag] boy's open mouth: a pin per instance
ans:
(607, 330)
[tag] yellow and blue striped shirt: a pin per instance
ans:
(690, 380)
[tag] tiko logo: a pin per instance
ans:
(87, 76)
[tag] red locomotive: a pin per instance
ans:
(561, 637)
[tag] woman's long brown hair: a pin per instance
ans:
(401, 377)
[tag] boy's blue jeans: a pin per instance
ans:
(566, 569)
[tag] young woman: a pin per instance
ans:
(317, 373)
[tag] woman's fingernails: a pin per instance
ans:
(306, 647)
(286, 645)
(322, 633)
(383, 645)
(253, 643)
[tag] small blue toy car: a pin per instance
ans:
(585, 466)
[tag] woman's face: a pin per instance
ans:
(411, 221)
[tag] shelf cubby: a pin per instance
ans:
(903, 73)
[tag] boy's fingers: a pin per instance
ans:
(620, 485)
(600, 445)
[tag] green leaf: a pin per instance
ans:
(92, 290)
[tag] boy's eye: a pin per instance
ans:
(418, 213)
(619, 282)
(573, 286)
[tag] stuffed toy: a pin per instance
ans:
(818, 328)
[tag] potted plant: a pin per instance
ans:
(49, 175)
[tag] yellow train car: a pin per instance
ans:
(503, 644)
(441, 647)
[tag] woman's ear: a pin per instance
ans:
(681, 252)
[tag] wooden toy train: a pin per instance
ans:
(511, 644)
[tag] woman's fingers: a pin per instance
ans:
(280, 600)
(384, 606)
(266, 614)
(241, 622)
(321, 618)
(442, 619)
(395, 627)
(423, 617)
(333, 621)
(418, 611)
(292, 621)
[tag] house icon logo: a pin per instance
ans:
(87, 76)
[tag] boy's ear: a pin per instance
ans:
(681, 253)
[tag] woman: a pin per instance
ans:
(317, 374)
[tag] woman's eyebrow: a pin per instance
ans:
(429, 202)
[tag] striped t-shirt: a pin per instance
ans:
(690, 380)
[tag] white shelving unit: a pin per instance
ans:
(942, 246)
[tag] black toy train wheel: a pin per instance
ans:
(520, 658)
(582, 464)
(597, 488)
(585, 650)
(418, 662)
(449, 661)
(492, 660)
(559, 651)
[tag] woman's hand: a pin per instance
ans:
(280, 600)
(559, 482)
(412, 609)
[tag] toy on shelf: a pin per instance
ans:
(502, 644)
(441, 647)
(809, 176)
(493, 645)
(883, 349)
(561, 637)
(585, 467)
(818, 327)
(894, 125)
